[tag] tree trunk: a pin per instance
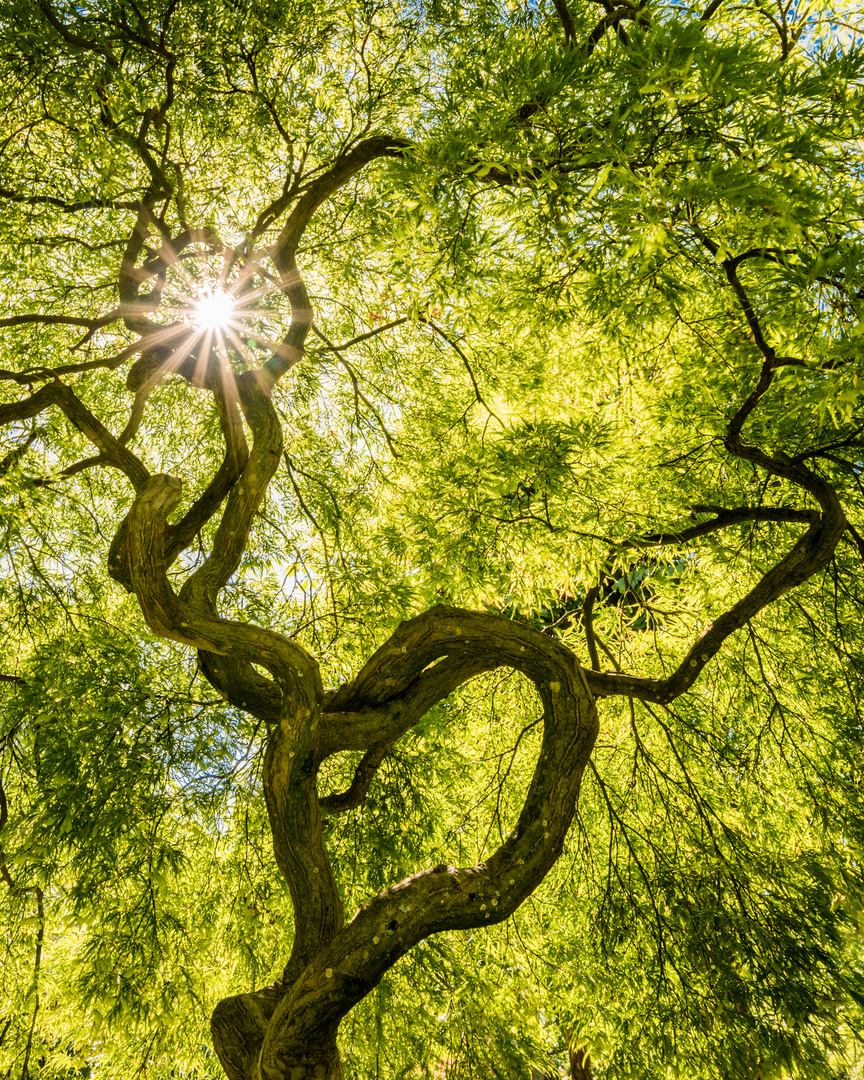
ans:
(288, 1031)
(239, 1024)
(316, 1063)
(580, 1064)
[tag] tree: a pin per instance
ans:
(593, 276)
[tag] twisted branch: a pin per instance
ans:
(284, 251)
(111, 449)
(424, 660)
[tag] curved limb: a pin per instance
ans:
(245, 497)
(284, 251)
(167, 614)
(229, 472)
(364, 774)
(191, 617)
(289, 775)
(810, 554)
(111, 450)
(344, 970)
(238, 1026)
(242, 686)
(293, 1024)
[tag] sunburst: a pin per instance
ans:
(213, 310)
(220, 305)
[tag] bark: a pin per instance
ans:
(289, 1030)
(580, 1065)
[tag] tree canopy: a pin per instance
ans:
(432, 536)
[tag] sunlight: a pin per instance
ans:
(213, 310)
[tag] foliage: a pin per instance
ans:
(560, 310)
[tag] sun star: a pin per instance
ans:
(213, 310)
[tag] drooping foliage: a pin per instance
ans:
(538, 401)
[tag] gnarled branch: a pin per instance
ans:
(111, 449)
(285, 249)
(445, 897)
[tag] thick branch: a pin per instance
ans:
(68, 207)
(131, 276)
(612, 19)
(54, 320)
(285, 249)
(168, 616)
(4, 815)
(233, 464)
(57, 393)
(382, 704)
(709, 11)
(725, 518)
(145, 545)
(290, 791)
(423, 661)
(147, 344)
(588, 625)
(384, 929)
(364, 774)
(245, 496)
(242, 685)
(566, 22)
(812, 552)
